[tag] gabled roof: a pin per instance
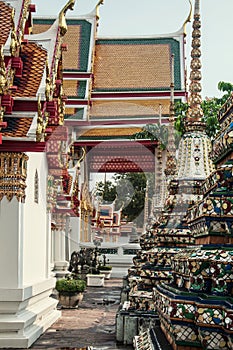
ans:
(136, 64)
(34, 59)
(125, 109)
(77, 39)
(17, 126)
(5, 22)
(111, 133)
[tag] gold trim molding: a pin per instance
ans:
(13, 174)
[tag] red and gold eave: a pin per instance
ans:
(19, 102)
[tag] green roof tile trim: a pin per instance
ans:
(175, 49)
(81, 89)
(78, 115)
(47, 21)
(85, 41)
(85, 37)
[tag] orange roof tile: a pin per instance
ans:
(70, 87)
(72, 39)
(111, 132)
(40, 28)
(132, 66)
(128, 108)
(34, 58)
(16, 127)
(5, 22)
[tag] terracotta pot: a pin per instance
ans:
(69, 300)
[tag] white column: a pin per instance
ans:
(60, 262)
(74, 233)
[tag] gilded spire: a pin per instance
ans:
(171, 149)
(195, 112)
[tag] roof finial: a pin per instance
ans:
(195, 112)
(62, 20)
(188, 19)
(100, 2)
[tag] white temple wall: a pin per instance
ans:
(36, 240)
(11, 231)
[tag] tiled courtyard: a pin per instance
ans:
(92, 324)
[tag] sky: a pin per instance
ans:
(150, 17)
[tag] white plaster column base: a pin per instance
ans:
(61, 269)
(26, 313)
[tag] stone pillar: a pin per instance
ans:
(60, 262)
(74, 233)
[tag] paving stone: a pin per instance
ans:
(91, 326)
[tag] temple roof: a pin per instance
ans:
(5, 22)
(136, 64)
(77, 39)
(17, 126)
(117, 78)
(110, 132)
(134, 108)
(34, 59)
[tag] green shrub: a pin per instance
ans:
(70, 285)
(105, 267)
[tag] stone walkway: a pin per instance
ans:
(92, 324)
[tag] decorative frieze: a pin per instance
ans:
(13, 174)
(223, 144)
(52, 189)
(190, 319)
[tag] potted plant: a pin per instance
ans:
(106, 270)
(70, 291)
(95, 278)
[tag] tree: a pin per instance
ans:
(128, 191)
(154, 132)
(106, 190)
(210, 107)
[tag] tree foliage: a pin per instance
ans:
(106, 190)
(210, 107)
(128, 191)
(154, 132)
